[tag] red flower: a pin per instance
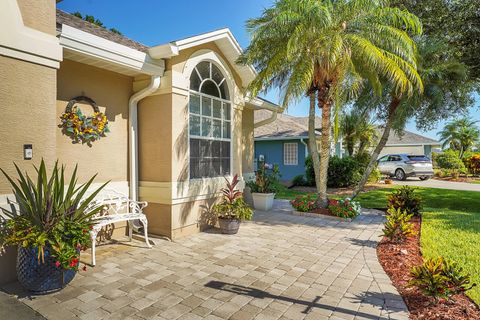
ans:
(84, 268)
(73, 262)
(57, 264)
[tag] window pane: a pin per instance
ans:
(204, 69)
(206, 127)
(226, 111)
(217, 128)
(194, 148)
(209, 87)
(225, 149)
(205, 148)
(290, 153)
(217, 109)
(194, 104)
(195, 81)
(204, 167)
(194, 125)
(224, 91)
(216, 167)
(225, 167)
(217, 75)
(206, 106)
(216, 149)
(226, 129)
(194, 168)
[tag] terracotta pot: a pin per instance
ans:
(229, 226)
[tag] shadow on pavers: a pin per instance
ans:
(11, 308)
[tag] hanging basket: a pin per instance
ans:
(40, 277)
(79, 127)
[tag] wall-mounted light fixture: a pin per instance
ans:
(27, 152)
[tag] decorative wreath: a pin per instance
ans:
(81, 128)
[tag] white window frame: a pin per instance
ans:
(290, 153)
(211, 138)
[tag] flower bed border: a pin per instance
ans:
(397, 259)
(319, 215)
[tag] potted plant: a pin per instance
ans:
(232, 209)
(264, 186)
(50, 223)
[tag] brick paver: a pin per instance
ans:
(279, 266)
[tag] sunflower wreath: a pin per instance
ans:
(79, 127)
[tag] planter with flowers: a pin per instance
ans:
(232, 209)
(343, 209)
(49, 223)
(264, 187)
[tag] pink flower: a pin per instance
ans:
(57, 264)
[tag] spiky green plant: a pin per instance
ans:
(48, 212)
(324, 49)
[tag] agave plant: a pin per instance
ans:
(49, 213)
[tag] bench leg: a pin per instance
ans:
(93, 236)
(130, 230)
(145, 230)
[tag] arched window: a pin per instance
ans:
(210, 122)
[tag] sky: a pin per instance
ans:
(154, 22)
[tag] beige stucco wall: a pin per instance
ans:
(111, 91)
(38, 14)
(27, 115)
(247, 141)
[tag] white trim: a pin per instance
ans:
(24, 43)
(93, 46)
(281, 138)
(223, 38)
(413, 144)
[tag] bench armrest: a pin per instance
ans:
(137, 206)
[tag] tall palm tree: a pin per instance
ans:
(441, 75)
(357, 131)
(323, 49)
(367, 135)
(461, 135)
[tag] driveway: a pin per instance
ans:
(440, 184)
(279, 266)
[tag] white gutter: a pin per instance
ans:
(133, 136)
(306, 147)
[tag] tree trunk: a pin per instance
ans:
(381, 144)
(312, 141)
(324, 103)
(350, 146)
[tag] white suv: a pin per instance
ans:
(402, 166)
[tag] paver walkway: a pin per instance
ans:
(278, 267)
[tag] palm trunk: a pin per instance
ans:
(324, 103)
(381, 144)
(350, 146)
(312, 141)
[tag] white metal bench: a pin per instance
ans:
(116, 208)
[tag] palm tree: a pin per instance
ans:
(461, 135)
(349, 123)
(441, 75)
(367, 135)
(323, 49)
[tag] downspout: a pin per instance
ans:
(133, 131)
(306, 146)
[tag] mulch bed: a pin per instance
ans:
(397, 259)
(340, 191)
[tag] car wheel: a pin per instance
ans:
(400, 174)
(423, 178)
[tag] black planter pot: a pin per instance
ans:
(229, 226)
(40, 277)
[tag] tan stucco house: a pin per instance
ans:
(178, 114)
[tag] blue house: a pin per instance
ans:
(284, 142)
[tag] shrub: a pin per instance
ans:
(265, 181)
(439, 278)
(375, 176)
(397, 227)
(405, 199)
(344, 208)
(299, 181)
(448, 160)
(472, 162)
(343, 172)
(305, 203)
(232, 206)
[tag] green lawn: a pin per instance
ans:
(451, 226)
